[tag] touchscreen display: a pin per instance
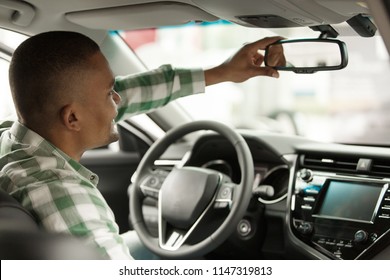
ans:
(350, 200)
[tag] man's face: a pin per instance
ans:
(98, 104)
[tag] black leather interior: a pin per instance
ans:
(14, 216)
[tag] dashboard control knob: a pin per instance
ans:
(373, 237)
(361, 236)
(306, 175)
(244, 228)
(305, 228)
(264, 191)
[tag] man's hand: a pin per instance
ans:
(275, 56)
(244, 64)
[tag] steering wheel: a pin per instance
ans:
(186, 194)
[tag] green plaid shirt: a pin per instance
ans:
(61, 193)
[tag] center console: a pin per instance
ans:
(340, 216)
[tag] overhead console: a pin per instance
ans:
(339, 206)
(283, 13)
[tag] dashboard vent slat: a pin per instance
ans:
(381, 167)
(333, 163)
(337, 163)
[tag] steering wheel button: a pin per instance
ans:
(153, 182)
(221, 204)
(225, 193)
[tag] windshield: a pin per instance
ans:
(8, 41)
(346, 106)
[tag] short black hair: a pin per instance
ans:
(40, 69)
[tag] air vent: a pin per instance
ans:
(330, 163)
(381, 167)
(355, 164)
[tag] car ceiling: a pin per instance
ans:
(95, 17)
(41, 15)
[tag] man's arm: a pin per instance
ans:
(143, 92)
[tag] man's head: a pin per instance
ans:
(55, 79)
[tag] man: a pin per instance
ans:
(67, 102)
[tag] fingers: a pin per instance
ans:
(275, 56)
(246, 63)
(260, 71)
(263, 43)
(267, 71)
(257, 59)
(255, 50)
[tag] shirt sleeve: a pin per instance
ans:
(5, 125)
(146, 91)
(67, 207)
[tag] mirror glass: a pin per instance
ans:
(307, 56)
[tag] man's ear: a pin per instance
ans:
(69, 118)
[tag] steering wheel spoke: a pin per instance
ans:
(169, 239)
(172, 238)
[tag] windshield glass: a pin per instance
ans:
(8, 42)
(347, 106)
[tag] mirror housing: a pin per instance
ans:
(307, 56)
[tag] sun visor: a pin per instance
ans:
(139, 16)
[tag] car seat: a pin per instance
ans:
(22, 238)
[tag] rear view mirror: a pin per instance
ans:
(307, 55)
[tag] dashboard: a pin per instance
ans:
(339, 203)
(311, 200)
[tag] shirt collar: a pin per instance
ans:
(28, 137)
